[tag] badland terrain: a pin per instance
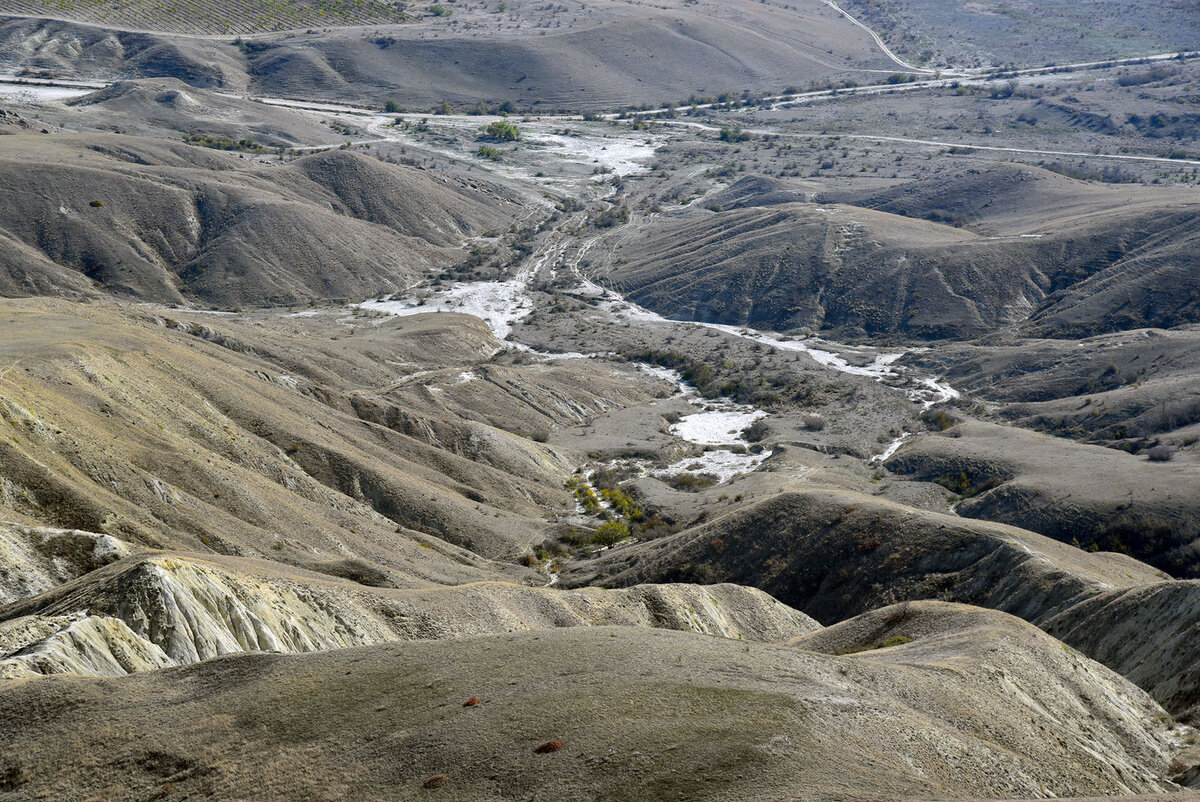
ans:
(614, 400)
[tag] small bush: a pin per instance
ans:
(490, 153)
(691, 482)
(939, 420)
(96, 204)
(624, 504)
(439, 10)
(585, 495)
(1160, 453)
(756, 432)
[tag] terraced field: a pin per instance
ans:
(211, 17)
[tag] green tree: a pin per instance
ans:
(611, 533)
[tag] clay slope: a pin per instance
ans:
(1104, 259)
(170, 108)
(1146, 633)
(34, 559)
(1006, 199)
(650, 713)
(68, 48)
(145, 613)
(123, 425)
(1088, 495)
(164, 221)
(1135, 390)
(836, 554)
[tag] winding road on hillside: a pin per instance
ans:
(887, 51)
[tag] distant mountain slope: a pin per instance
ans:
(219, 17)
(572, 55)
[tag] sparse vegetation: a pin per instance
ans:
(224, 143)
(690, 482)
(757, 431)
(490, 153)
(884, 643)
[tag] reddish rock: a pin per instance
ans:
(437, 781)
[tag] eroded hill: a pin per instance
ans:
(160, 221)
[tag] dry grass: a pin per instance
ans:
(212, 17)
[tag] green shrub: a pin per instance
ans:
(501, 131)
(623, 503)
(585, 495)
(224, 143)
(488, 152)
(885, 643)
(611, 533)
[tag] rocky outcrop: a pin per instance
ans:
(167, 610)
(34, 559)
